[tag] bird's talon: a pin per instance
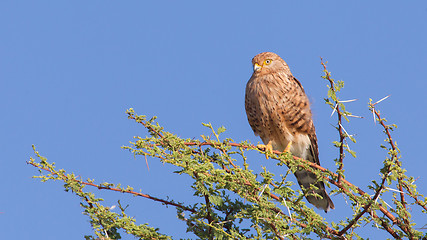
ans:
(288, 147)
(267, 148)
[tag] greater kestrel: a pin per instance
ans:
(278, 111)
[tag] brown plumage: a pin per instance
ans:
(279, 112)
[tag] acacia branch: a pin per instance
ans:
(396, 160)
(216, 145)
(249, 184)
(420, 203)
(341, 131)
(341, 185)
(271, 195)
(65, 178)
(377, 193)
(314, 165)
(340, 128)
(387, 131)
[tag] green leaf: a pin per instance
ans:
(221, 130)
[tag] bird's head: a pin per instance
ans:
(267, 63)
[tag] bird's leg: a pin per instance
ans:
(288, 147)
(267, 148)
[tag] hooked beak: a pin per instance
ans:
(257, 67)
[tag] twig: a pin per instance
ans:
(420, 203)
(386, 129)
(340, 130)
(116, 189)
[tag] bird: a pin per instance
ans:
(278, 111)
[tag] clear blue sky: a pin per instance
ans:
(70, 69)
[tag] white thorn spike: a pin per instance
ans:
(345, 130)
(289, 211)
(382, 99)
(345, 101)
(392, 189)
(373, 115)
(335, 108)
(262, 191)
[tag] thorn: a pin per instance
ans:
(345, 101)
(382, 99)
(289, 211)
(335, 108)
(345, 199)
(262, 191)
(373, 115)
(355, 116)
(146, 162)
(378, 195)
(415, 180)
(348, 147)
(386, 203)
(395, 190)
(345, 130)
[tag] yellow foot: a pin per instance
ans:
(288, 147)
(267, 148)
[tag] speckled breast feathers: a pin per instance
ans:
(278, 111)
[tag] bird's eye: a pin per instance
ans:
(268, 61)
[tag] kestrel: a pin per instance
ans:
(279, 112)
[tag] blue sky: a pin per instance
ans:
(70, 69)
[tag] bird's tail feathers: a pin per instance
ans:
(305, 179)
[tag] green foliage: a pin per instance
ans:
(104, 221)
(236, 202)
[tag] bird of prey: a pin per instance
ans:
(278, 111)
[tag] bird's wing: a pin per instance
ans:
(299, 120)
